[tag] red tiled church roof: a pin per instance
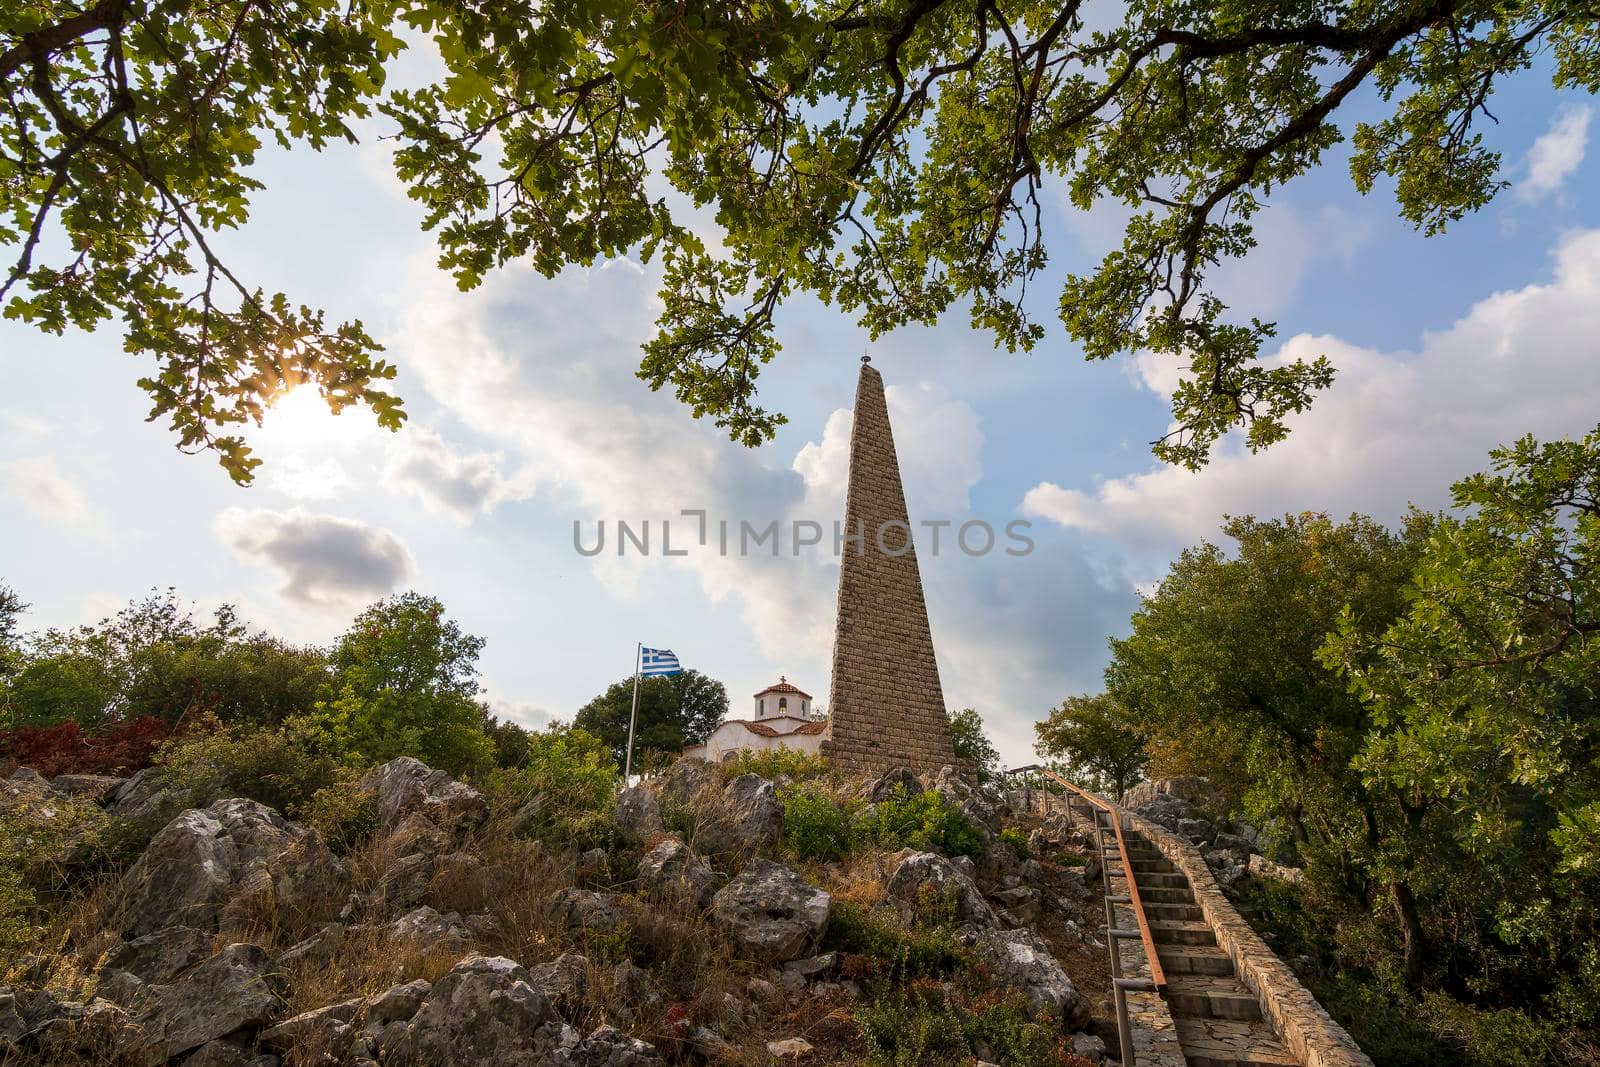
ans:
(761, 729)
(783, 686)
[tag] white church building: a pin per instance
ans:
(782, 719)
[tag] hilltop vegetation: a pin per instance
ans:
(1415, 715)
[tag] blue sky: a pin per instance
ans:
(526, 416)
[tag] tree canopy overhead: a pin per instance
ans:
(887, 156)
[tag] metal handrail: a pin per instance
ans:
(1119, 985)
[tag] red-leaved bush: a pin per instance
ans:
(122, 748)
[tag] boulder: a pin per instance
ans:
(1197, 830)
(208, 859)
(230, 1054)
(407, 786)
(388, 1015)
(1232, 842)
(426, 929)
(609, 1047)
(239, 988)
(486, 1010)
(790, 1048)
(1019, 959)
(920, 873)
(565, 979)
(1089, 1047)
(672, 871)
(161, 956)
(1021, 904)
(899, 779)
(320, 1034)
(639, 813)
(1262, 867)
(749, 818)
(98, 788)
(1226, 876)
(688, 779)
(772, 912)
(143, 796)
(586, 910)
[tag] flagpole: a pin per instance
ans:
(633, 717)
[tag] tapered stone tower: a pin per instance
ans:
(886, 706)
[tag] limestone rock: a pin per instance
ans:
(789, 1048)
(427, 929)
(98, 788)
(772, 911)
(407, 786)
(1197, 830)
(584, 909)
(1020, 959)
(1262, 867)
(322, 1033)
(486, 1010)
(1089, 1047)
(565, 979)
(609, 1047)
(899, 779)
(239, 988)
(749, 818)
(672, 871)
(160, 956)
(206, 859)
(639, 813)
(688, 780)
(143, 796)
(920, 872)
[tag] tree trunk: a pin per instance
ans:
(1415, 946)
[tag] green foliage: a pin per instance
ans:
(890, 949)
(405, 684)
(155, 658)
(276, 767)
(343, 813)
(815, 826)
(790, 763)
(927, 1024)
(1018, 840)
(563, 788)
(973, 745)
(918, 820)
(43, 841)
(892, 163)
(1095, 740)
(674, 711)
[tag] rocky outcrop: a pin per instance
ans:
(405, 787)
(586, 910)
(639, 813)
(210, 859)
(897, 780)
(486, 1010)
(1019, 959)
(240, 989)
(919, 874)
(772, 912)
(671, 871)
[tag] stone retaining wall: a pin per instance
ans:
(1300, 1022)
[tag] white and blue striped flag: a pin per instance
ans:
(654, 661)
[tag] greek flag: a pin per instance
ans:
(658, 661)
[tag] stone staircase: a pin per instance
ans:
(1218, 1018)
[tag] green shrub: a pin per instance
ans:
(926, 1024)
(891, 949)
(919, 820)
(274, 767)
(564, 791)
(815, 827)
(790, 763)
(43, 844)
(1013, 836)
(344, 814)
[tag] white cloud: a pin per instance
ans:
(304, 479)
(43, 489)
(462, 485)
(327, 562)
(1395, 427)
(1556, 154)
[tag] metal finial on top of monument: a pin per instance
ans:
(865, 358)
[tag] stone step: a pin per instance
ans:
(1152, 866)
(1158, 879)
(1182, 933)
(1211, 996)
(1194, 959)
(1163, 895)
(1231, 1043)
(1155, 909)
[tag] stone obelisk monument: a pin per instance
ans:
(886, 707)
